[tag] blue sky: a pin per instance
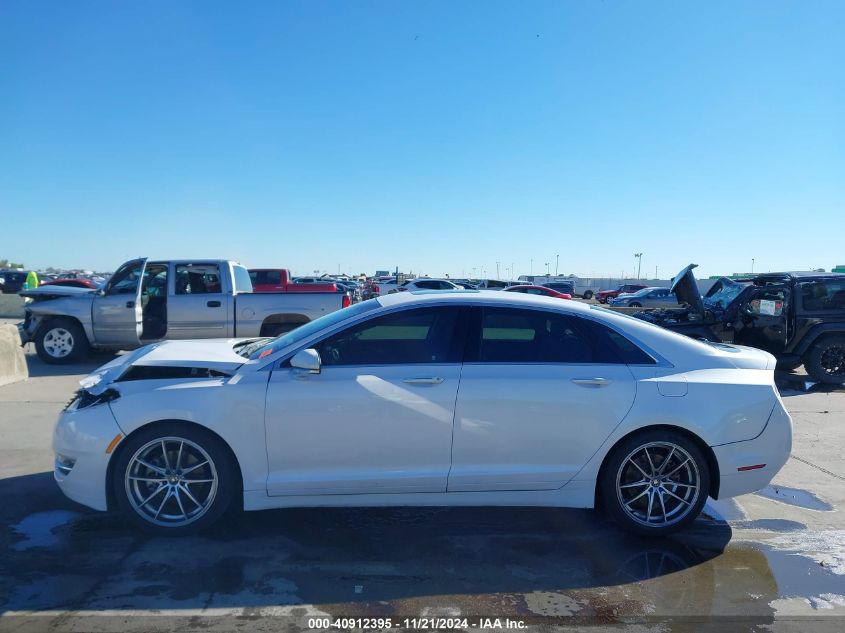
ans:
(433, 136)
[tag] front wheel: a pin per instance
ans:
(588, 295)
(826, 360)
(655, 482)
(61, 342)
(174, 479)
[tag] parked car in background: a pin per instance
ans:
(280, 280)
(466, 284)
(566, 287)
(148, 301)
(428, 399)
(603, 295)
(12, 281)
(646, 298)
(797, 316)
(543, 291)
(424, 283)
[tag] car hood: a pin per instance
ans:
(686, 290)
(55, 290)
(211, 354)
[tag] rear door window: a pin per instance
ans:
(821, 296)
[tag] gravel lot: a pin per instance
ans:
(774, 560)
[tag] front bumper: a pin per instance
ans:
(83, 436)
(772, 448)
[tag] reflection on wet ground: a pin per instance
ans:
(543, 564)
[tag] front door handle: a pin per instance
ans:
(130, 304)
(591, 382)
(430, 380)
(213, 304)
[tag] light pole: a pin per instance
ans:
(497, 270)
(752, 265)
(557, 264)
(547, 269)
(639, 257)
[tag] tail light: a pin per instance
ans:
(346, 301)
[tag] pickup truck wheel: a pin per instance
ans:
(61, 342)
(588, 295)
(826, 360)
(173, 479)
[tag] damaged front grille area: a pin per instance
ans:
(85, 399)
(155, 372)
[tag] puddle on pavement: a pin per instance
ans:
(40, 529)
(794, 497)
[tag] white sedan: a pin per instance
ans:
(454, 398)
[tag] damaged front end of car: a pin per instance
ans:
(707, 317)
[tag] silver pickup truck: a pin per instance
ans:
(147, 301)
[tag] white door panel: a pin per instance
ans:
(358, 429)
(533, 426)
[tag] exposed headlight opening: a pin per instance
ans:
(84, 399)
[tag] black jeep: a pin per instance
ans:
(799, 317)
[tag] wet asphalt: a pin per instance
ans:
(769, 561)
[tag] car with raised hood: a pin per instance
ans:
(799, 317)
(146, 301)
(428, 398)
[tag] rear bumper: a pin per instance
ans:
(772, 448)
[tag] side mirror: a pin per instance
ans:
(307, 360)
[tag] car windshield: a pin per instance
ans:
(724, 295)
(259, 348)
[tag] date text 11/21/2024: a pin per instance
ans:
(419, 623)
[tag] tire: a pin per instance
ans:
(627, 465)
(61, 342)
(635, 304)
(784, 365)
(588, 295)
(151, 493)
(825, 362)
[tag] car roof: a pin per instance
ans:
(480, 297)
(808, 274)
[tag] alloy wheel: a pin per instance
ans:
(58, 342)
(833, 360)
(658, 484)
(171, 481)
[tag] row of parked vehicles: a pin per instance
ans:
(798, 317)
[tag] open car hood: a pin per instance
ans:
(214, 355)
(686, 290)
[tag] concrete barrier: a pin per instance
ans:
(11, 306)
(12, 361)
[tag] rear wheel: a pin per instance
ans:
(655, 482)
(588, 295)
(826, 360)
(174, 479)
(61, 342)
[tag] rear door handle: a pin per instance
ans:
(591, 382)
(213, 304)
(430, 380)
